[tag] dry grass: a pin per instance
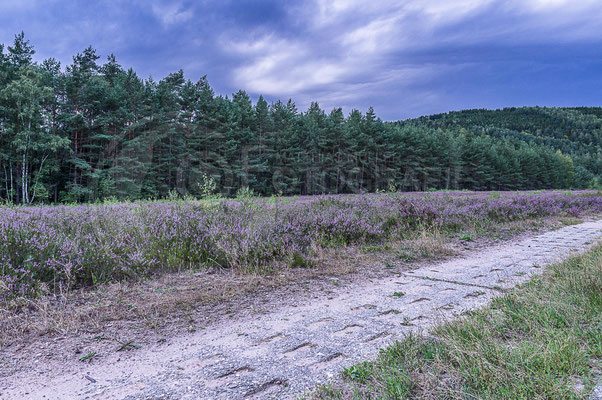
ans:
(147, 303)
(429, 245)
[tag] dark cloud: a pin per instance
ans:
(405, 58)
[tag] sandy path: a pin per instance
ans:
(283, 353)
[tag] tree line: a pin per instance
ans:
(92, 131)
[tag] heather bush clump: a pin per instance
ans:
(45, 248)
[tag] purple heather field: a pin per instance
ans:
(51, 247)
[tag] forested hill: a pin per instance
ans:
(572, 130)
(575, 131)
(93, 130)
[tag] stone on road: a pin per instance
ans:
(284, 353)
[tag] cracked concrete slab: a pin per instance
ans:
(285, 352)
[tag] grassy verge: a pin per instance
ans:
(542, 340)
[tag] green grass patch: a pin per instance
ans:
(543, 340)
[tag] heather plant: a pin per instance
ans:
(47, 248)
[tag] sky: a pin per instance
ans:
(405, 58)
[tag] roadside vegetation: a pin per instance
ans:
(168, 267)
(542, 340)
(55, 249)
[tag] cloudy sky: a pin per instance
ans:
(405, 58)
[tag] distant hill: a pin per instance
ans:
(575, 131)
(572, 130)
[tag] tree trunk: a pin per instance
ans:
(23, 182)
(5, 181)
(12, 188)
